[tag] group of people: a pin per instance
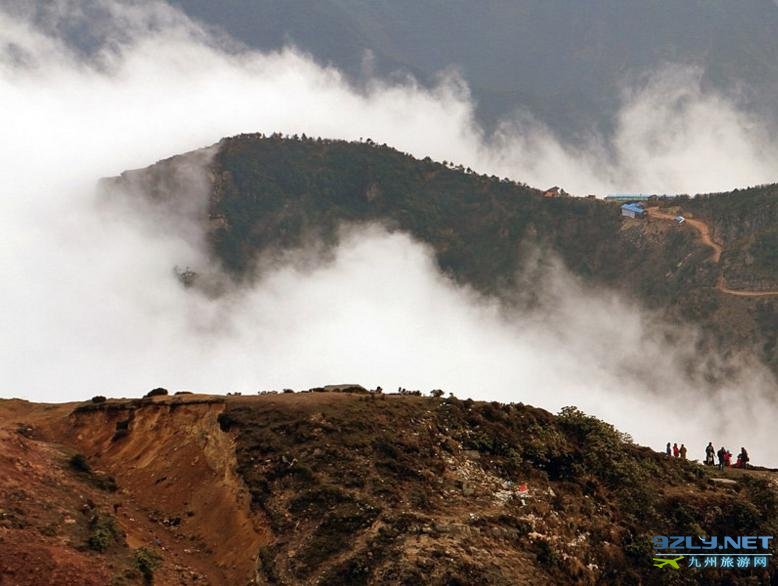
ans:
(723, 454)
(676, 452)
(725, 457)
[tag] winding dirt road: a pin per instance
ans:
(704, 231)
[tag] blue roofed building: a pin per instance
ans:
(633, 210)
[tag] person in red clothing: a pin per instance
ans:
(676, 451)
(727, 458)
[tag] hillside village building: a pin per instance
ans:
(627, 197)
(633, 210)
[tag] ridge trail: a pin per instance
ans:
(705, 235)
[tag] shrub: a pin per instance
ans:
(158, 392)
(119, 434)
(437, 393)
(547, 555)
(147, 561)
(336, 532)
(268, 565)
(98, 399)
(761, 493)
(225, 421)
(105, 482)
(79, 462)
(48, 530)
(122, 429)
(605, 448)
(639, 549)
(386, 449)
(419, 499)
(739, 517)
(104, 533)
(765, 248)
(315, 502)
(101, 480)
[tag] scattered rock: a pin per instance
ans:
(727, 481)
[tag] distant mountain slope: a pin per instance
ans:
(269, 192)
(745, 223)
(273, 193)
(564, 61)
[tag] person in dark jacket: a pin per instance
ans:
(668, 450)
(742, 458)
(710, 454)
(721, 453)
(683, 452)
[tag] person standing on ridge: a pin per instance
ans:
(676, 451)
(720, 454)
(683, 452)
(668, 451)
(743, 458)
(710, 453)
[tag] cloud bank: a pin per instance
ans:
(91, 304)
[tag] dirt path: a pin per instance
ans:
(704, 231)
(698, 225)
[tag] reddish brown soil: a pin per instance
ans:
(178, 495)
(44, 511)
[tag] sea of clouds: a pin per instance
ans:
(90, 303)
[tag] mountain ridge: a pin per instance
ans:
(275, 193)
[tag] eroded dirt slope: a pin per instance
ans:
(176, 466)
(45, 515)
(176, 493)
